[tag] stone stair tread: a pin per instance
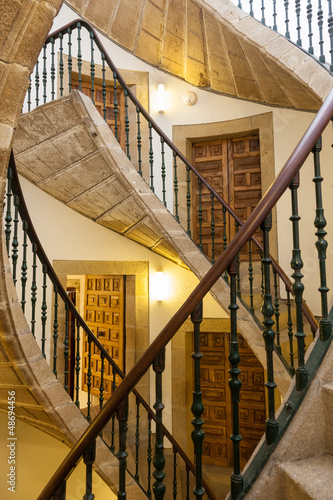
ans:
(312, 477)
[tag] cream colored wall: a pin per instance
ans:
(38, 455)
(288, 125)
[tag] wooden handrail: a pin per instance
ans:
(307, 312)
(23, 210)
(259, 214)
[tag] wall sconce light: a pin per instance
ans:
(160, 286)
(161, 98)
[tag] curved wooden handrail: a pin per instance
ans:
(259, 214)
(23, 209)
(307, 312)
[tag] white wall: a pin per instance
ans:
(37, 456)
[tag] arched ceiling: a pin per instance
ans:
(213, 45)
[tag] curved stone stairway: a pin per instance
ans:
(67, 149)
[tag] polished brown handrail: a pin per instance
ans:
(24, 212)
(259, 214)
(307, 312)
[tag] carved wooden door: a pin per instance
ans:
(109, 106)
(104, 314)
(232, 168)
(217, 446)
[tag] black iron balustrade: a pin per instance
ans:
(168, 159)
(307, 23)
(47, 333)
(278, 424)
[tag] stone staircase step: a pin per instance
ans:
(308, 479)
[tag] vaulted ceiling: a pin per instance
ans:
(213, 45)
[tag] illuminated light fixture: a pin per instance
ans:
(160, 286)
(161, 98)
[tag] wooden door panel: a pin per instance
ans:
(104, 314)
(232, 168)
(216, 398)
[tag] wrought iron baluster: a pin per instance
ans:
(277, 311)
(330, 31)
(122, 416)
(61, 65)
(52, 70)
(127, 128)
(290, 334)
(92, 68)
(55, 330)
(89, 376)
(251, 8)
(101, 387)
(286, 8)
(66, 347)
(320, 15)
(151, 156)
(200, 215)
(113, 387)
(310, 33)
(89, 457)
(197, 405)
(235, 383)
(115, 105)
(33, 288)
(298, 288)
(24, 266)
(188, 200)
(138, 140)
(159, 460)
(149, 455)
(175, 185)
(69, 60)
(174, 482)
(251, 277)
(103, 85)
(225, 238)
(37, 83)
(44, 74)
(212, 227)
(44, 310)
(137, 440)
(29, 94)
(239, 293)
(240, 5)
(298, 21)
(163, 175)
(15, 242)
(79, 55)
(272, 425)
(321, 244)
(8, 218)
(77, 365)
(263, 20)
(275, 28)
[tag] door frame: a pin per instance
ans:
(185, 135)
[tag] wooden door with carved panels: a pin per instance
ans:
(217, 445)
(109, 106)
(232, 168)
(104, 314)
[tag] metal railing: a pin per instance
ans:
(309, 24)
